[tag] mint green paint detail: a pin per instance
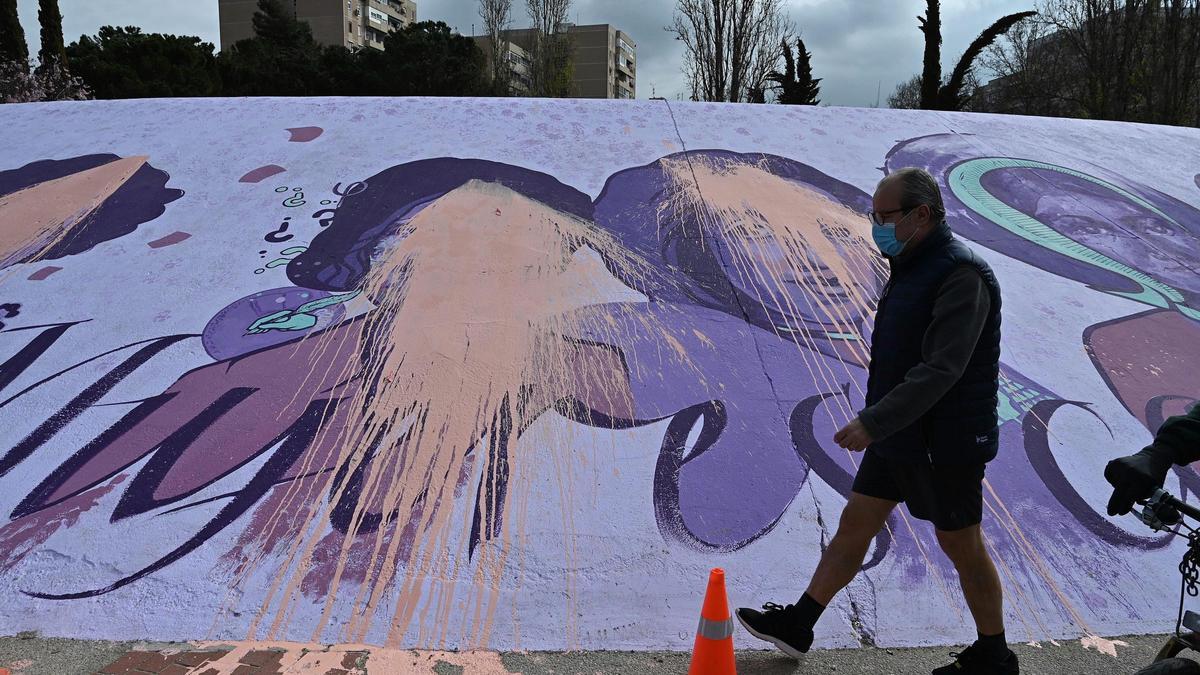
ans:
(1016, 400)
(965, 183)
(299, 319)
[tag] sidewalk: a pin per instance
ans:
(31, 655)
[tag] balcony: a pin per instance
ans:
(391, 6)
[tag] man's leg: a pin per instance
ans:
(861, 520)
(957, 512)
(790, 627)
(978, 577)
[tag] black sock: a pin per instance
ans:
(992, 646)
(808, 610)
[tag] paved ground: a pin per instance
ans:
(31, 655)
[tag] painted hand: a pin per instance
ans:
(300, 319)
(853, 436)
(283, 320)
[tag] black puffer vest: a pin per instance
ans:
(962, 427)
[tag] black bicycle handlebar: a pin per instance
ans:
(1164, 509)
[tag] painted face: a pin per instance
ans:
(1129, 233)
(805, 258)
(783, 272)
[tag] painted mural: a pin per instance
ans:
(514, 374)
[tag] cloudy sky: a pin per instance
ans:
(858, 47)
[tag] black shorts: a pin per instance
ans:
(949, 496)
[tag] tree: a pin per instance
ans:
(12, 36)
(497, 16)
(948, 95)
(1169, 87)
(796, 84)
(127, 63)
(1028, 67)
(550, 48)
(53, 50)
(282, 59)
(421, 59)
(427, 58)
(931, 71)
(49, 83)
(730, 46)
(1133, 60)
(908, 94)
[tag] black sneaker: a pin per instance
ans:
(972, 661)
(777, 625)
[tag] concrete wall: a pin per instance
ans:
(495, 373)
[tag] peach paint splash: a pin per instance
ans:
(1102, 645)
(471, 306)
(33, 220)
(779, 235)
(354, 659)
(782, 235)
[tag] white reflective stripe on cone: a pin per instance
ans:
(715, 630)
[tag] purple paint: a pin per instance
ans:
(44, 273)
(169, 240)
(746, 425)
(262, 173)
(226, 336)
(305, 134)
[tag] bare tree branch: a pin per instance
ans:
(1136, 60)
(550, 47)
(730, 46)
(497, 17)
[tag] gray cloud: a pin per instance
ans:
(857, 46)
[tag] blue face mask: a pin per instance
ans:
(885, 238)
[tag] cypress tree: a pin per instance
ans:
(12, 36)
(53, 49)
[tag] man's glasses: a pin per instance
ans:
(876, 217)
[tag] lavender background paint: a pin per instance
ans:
(760, 496)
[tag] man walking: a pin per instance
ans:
(929, 426)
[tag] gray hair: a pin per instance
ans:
(917, 187)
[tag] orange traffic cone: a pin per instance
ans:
(713, 653)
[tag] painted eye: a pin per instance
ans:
(1085, 226)
(1159, 227)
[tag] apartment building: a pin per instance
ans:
(349, 23)
(605, 60)
(519, 63)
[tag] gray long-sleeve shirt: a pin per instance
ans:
(960, 311)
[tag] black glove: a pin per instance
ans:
(1136, 477)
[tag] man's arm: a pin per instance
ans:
(959, 314)
(1137, 476)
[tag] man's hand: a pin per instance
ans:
(853, 436)
(1134, 478)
